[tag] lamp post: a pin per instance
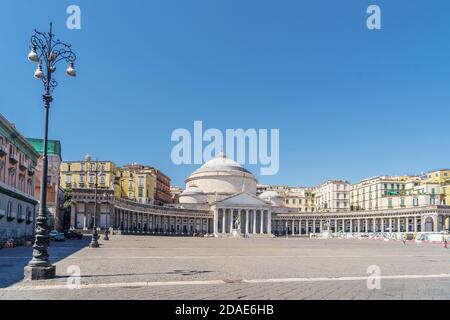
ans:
(94, 240)
(46, 52)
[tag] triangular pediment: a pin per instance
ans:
(242, 199)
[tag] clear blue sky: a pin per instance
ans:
(350, 103)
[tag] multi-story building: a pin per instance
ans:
(300, 198)
(163, 195)
(333, 196)
(386, 192)
(138, 183)
(18, 161)
(55, 195)
(81, 174)
(441, 177)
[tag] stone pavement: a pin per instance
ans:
(148, 267)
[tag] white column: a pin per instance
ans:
(307, 227)
(390, 224)
(224, 214)
(374, 224)
(261, 226)
(299, 227)
(359, 225)
(367, 226)
(216, 221)
(254, 222)
(398, 225)
(231, 219)
(246, 221)
(335, 226)
(415, 223)
(314, 226)
(351, 225)
(269, 222)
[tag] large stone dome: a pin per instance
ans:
(221, 177)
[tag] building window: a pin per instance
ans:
(9, 209)
(68, 179)
(28, 217)
(415, 202)
(91, 178)
(390, 203)
(19, 211)
(102, 179)
(81, 178)
(11, 178)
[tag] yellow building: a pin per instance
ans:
(441, 177)
(302, 199)
(81, 174)
(137, 183)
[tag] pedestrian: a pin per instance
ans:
(404, 240)
(445, 242)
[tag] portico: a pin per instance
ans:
(244, 212)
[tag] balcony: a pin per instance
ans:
(20, 220)
(22, 165)
(3, 151)
(10, 218)
(13, 158)
(2, 213)
(31, 170)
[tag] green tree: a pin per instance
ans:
(67, 197)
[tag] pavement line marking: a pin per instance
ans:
(233, 256)
(321, 279)
(114, 285)
(211, 282)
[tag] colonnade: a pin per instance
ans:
(154, 223)
(306, 226)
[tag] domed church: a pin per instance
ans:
(229, 190)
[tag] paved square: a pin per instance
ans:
(147, 267)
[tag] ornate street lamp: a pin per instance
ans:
(46, 52)
(95, 236)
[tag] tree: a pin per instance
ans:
(67, 197)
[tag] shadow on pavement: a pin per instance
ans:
(12, 261)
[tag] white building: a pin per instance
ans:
(333, 196)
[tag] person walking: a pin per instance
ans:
(445, 242)
(404, 240)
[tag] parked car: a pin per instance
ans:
(73, 234)
(55, 235)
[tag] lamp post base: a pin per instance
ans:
(94, 244)
(39, 273)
